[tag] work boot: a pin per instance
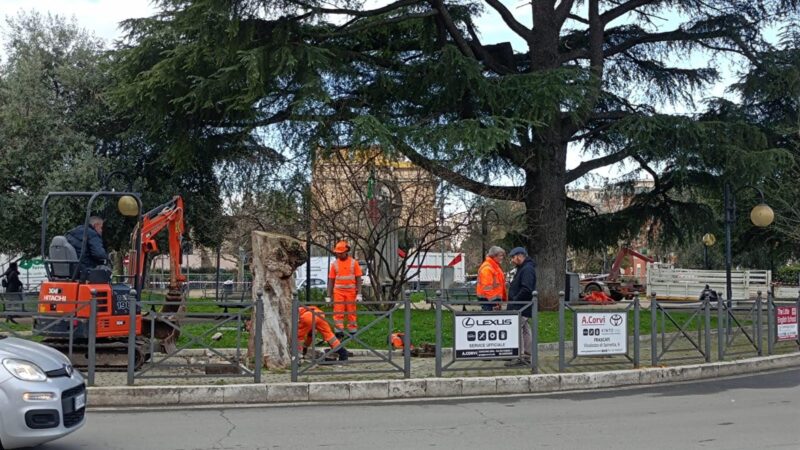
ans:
(342, 354)
(339, 334)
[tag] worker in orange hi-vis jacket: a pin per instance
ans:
(312, 318)
(491, 285)
(344, 287)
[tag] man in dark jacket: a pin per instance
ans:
(13, 287)
(95, 254)
(521, 290)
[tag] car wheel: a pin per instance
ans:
(594, 287)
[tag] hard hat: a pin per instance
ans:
(341, 247)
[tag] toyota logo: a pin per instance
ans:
(616, 320)
(468, 322)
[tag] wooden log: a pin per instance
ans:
(275, 259)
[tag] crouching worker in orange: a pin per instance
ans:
(312, 318)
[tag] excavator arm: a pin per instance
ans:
(168, 216)
(614, 274)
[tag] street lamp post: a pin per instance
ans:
(761, 216)
(485, 227)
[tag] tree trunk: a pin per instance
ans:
(275, 259)
(546, 224)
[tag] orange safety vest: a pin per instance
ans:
(344, 274)
(313, 309)
(491, 281)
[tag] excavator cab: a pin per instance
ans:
(68, 290)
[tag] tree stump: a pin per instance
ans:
(275, 259)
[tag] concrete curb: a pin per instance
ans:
(426, 387)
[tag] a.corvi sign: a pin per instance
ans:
(601, 333)
(486, 336)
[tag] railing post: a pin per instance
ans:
(293, 338)
(439, 336)
(721, 336)
(259, 351)
(561, 333)
(797, 305)
(535, 332)
(770, 324)
(132, 302)
(653, 330)
(636, 324)
(92, 337)
(758, 323)
(406, 336)
(707, 325)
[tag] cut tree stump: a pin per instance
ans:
(275, 259)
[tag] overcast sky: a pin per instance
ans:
(103, 16)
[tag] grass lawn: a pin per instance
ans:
(376, 335)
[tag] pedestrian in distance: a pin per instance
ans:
(13, 293)
(521, 290)
(491, 286)
(344, 287)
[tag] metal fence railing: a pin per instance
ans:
(492, 336)
(376, 318)
(690, 322)
(196, 325)
(598, 331)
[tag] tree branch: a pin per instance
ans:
(358, 12)
(587, 166)
(562, 11)
(513, 193)
(444, 14)
(508, 17)
(623, 9)
(484, 55)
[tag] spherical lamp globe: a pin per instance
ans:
(762, 215)
(128, 206)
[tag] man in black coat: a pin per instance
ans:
(521, 290)
(95, 253)
(13, 287)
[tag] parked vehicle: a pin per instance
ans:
(613, 283)
(42, 397)
(316, 283)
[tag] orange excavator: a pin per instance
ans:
(601, 288)
(65, 297)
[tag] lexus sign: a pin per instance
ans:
(486, 336)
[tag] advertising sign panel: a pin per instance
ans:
(786, 319)
(601, 333)
(486, 336)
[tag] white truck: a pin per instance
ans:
(424, 268)
(671, 283)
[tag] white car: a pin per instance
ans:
(316, 283)
(42, 397)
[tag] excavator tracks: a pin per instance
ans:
(110, 356)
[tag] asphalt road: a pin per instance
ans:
(754, 412)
